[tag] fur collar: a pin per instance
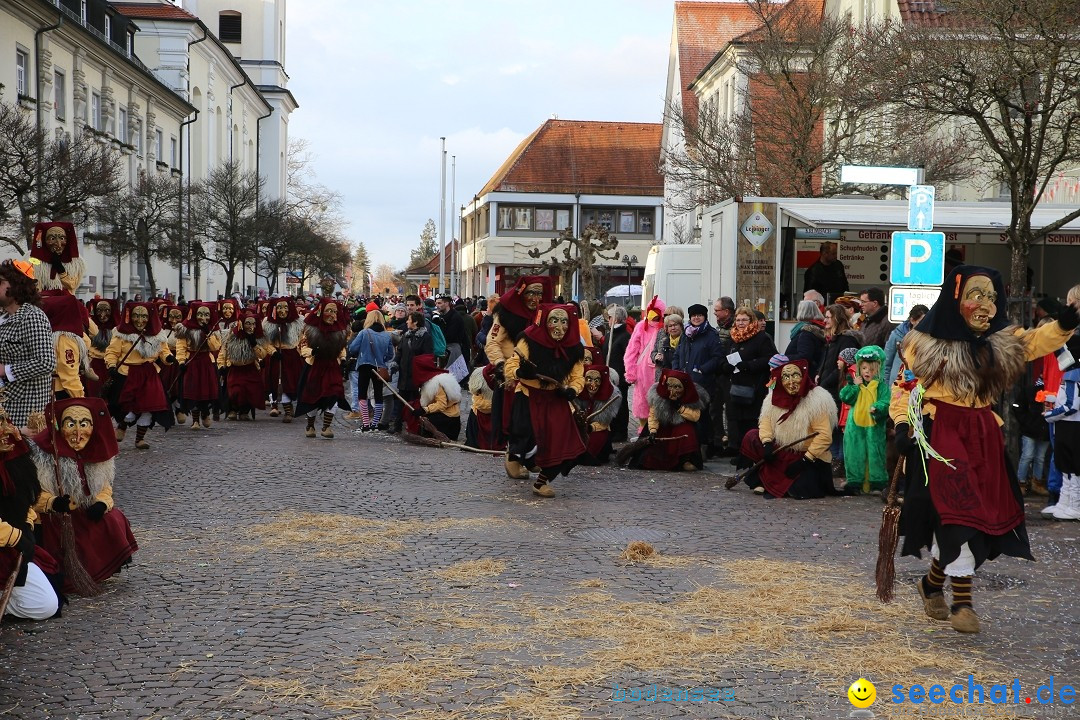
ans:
(99, 476)
(240, 352)
(952, 361)
(817, 402)
(283, 334)
(667, 412)
(101, 340)
(478, 385)
(43, 272)
(447, 383)
(324, 346)
(607, 416)
(148, 347)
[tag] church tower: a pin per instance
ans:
(254, 32)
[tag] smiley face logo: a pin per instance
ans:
(862, 693)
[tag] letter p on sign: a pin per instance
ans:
(917, 258)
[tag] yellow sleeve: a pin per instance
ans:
(654, 421)
(105, 496)
(822, 440)
(690, 414)
(900, 395)
(213, 343)
(114, 352)
(513, 363)
(43, 504)
(262, 350)
(9, 535)
(598, 427)
(70, 282)
(91, 328)
(576, 379)
(766, 430)
(1044, 340)
(182, 350)
(164, 353)
(497, 344)
(67, 365)
(440, 403)
(223, 356)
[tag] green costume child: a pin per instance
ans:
(864, 436)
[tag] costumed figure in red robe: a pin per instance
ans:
(240, 362)
(479, 432)
(104, 314)
(549, 369)
(68, 318)
(197, 347)
(135, 394)
(440, 399)
(675, 404)
(283, 328)
(515, 311)
(79, 436)
(228, 313)
(54, 253)
(171, 380)
(800, 415)
(323, 349)
(36, 594)
(962, 497)
(597, 406)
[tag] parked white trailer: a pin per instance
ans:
(674, 273)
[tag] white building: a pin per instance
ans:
(73, 65)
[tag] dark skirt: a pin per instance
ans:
(671, 454)
(95, 388)
(448, 426)
(200, 379)
(170, 382)
(598, 450)
(982, 494)
(478, 432)
(545, 421)
(246, 390)
(141, 391)
(815, 481)
(103, 546)
(285, 367)
(321, 386)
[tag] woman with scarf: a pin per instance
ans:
(962, 497)
(282, 328)
(831, 374)
(104, 314)
(196, 347)
(79, 437)
(748, 375)
(136, 396)
(801, 416)
(548, 368)
(675, 404)
(699, 355)
(639, 358)
(323, 349)
(440, 399)
(596, 408)
(667, 342)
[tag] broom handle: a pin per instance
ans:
(761, 462)
(9, 586)
(539, 378)
(603, 407)
(427, 424)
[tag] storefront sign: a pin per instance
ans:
(756, 255)
(817, 233)
(866, 263)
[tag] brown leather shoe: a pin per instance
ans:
(934, 603)
(516, 470)
(543, 490)
(1036, 486)
(964, 620)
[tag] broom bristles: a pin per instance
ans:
(73, 568)
(420, 440)
(888, 537)
(628, 450)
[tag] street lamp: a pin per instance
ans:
(629, 261)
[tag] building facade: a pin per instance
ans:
(566, 174)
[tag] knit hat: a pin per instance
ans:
(777, 360)
(1050, 306)
(371, 306)
(697, 309)
(848, 356)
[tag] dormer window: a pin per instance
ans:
(229, 26)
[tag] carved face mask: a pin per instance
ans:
(329, 314)
(675, 388)
(227, 311)
(588, 356)
(103, 312)
(77, 426)
(56, 239)
(592, 382)
(532, 295)
(978, 303)
(202, 315)
(140, 317)
(558, 321)
(175, 316)
(281, 310)
(249, 325)
(791, 379)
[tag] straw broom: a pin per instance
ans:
(630, 449)
(437, 434)
(9, 586)
(888, 538)
(731, 482)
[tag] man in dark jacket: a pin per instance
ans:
(456, 341)
(618, 339)
(876, 327)
(699, 355)
(469, 344)
(827, 275)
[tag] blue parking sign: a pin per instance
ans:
(917, 258)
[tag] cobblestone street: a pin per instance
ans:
(362, 577)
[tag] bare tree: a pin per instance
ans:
(305, 197)
(1009, 73)
(223, 218)
(142, 221)
(804, 109)
(385, 278)
(319, 256)
(282, 234)
(43, 178)
(579, 254)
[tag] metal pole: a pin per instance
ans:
(442, 221)
(453, 226)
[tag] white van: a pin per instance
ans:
(674, 273)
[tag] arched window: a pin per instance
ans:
(229, 26)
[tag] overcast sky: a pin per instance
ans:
(380, 81)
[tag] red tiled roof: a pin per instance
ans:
(572, 156)
(702, 30)
(792, 16)
(925, 13)
(153, 11)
